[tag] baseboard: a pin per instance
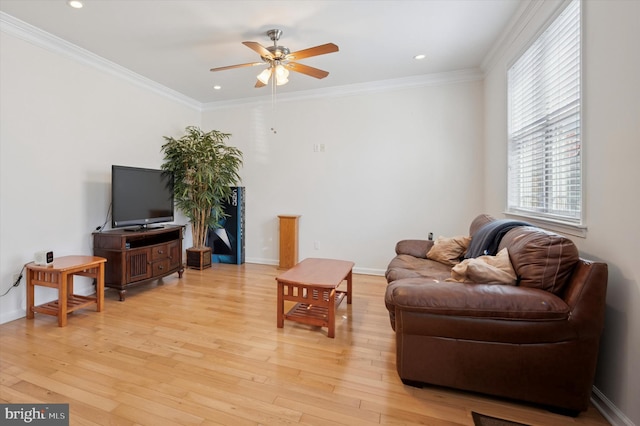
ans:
(261, 261)
(368, 271)
(12, 315)
(608, 410)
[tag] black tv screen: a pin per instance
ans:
(140, 197)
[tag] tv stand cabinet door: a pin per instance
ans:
(138, 265)
(175, 255)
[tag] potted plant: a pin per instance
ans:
(204, 170)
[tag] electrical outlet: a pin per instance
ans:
(316, 245)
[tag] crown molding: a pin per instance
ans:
(517, 24)
(525, 14)
(36, 36)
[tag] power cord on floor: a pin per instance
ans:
(18, 280)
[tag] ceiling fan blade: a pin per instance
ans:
(229, 67)
(260, 49)
(259, 84)
(306, 69)
(323, 49)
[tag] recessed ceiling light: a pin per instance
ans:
(216, 87)
(418, 57)
(76, 4)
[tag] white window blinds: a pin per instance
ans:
(544, 177)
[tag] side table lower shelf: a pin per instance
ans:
(74, 302)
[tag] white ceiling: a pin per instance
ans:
(176, 42)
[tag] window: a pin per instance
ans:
(544, 95)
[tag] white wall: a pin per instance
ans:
(393, 158)
(611, 135)
(63, 125)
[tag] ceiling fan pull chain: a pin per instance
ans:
(273, 104)
(273, 92)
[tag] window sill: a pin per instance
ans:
(552, 225)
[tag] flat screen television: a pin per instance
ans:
(140, 197)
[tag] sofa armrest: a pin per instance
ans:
(415, 248)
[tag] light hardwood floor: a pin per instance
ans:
(205, 350)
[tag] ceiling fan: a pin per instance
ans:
(280, 60)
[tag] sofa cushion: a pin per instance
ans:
(486, 270)
(541, 259)
(407, 266)
(498, 302)
(448, 250)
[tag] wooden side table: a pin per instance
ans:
(288, 241)
(60, 275)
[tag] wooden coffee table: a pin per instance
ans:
(313, 284)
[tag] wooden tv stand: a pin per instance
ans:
(139, 257)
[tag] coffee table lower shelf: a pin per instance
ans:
(313, 314)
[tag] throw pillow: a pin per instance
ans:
(485, 269)
(448, 250)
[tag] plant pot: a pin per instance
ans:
(199, 258)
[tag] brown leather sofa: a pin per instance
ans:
(536, 341)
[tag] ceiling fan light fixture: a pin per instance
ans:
(282, 75)
(265, 75)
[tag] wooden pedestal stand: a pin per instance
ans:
(288, 241)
